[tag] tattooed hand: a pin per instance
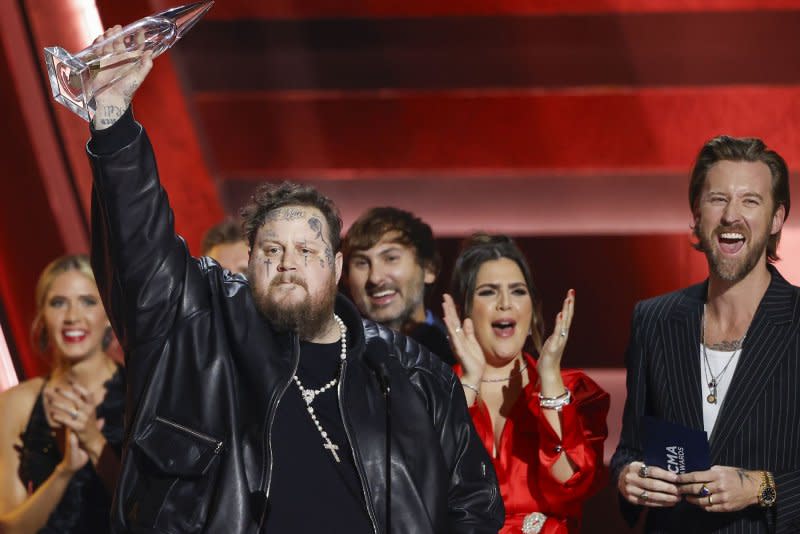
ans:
(116, 86)
(721, 488)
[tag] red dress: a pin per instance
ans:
(528, 448)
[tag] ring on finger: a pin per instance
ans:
(458, 330)
(643, 471)
(643, 496)
(704, 491)
(563, 332)
(73, 414)
(710, 501)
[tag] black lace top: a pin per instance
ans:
(84, 508)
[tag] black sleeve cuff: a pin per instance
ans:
(115, 137)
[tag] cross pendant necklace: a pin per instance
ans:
(333, 448)
(310, 394)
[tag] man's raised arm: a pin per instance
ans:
(142, 268)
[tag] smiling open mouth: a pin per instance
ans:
(730, 242)
(504, 327)
(383, 296)
(74, 336)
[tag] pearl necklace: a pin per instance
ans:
(310, 394)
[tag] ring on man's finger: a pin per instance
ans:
(643, 471)
(643, 496)
(704, 491)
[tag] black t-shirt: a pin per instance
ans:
(310, 491)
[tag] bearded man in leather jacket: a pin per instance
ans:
(260, 404)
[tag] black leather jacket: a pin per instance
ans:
(206, 372)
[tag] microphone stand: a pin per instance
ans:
(387, 388)
(381, 370)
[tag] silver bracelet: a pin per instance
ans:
(555, 403)
(470, 386)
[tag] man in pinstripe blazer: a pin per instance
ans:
(723, 356)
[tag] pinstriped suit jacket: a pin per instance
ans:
(758, 426)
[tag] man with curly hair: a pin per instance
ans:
(266, 403)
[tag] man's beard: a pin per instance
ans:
(733, 269)
(308, 318)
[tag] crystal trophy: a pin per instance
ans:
(74, 78)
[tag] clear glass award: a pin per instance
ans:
(74, 78)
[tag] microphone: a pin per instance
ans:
(376, 361)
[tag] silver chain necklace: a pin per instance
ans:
(310, 394)
(507, 378)
(714, 382)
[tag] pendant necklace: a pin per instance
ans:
(310, 394)
(714, 381)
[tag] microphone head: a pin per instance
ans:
(376, 357)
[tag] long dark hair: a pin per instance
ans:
(477, 250)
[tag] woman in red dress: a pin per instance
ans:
(544, 427)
